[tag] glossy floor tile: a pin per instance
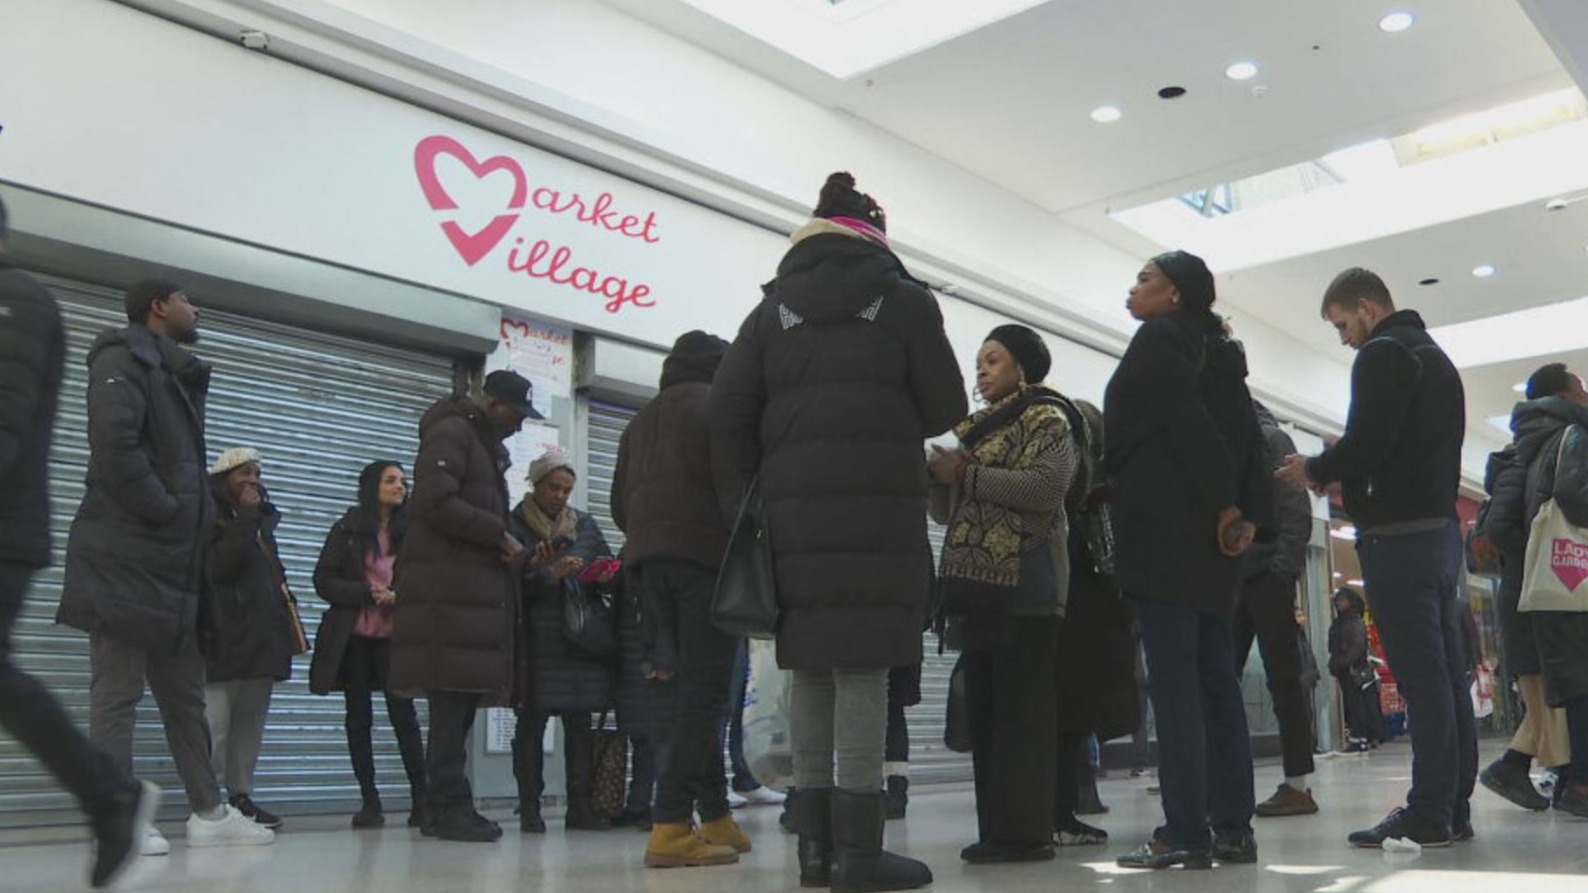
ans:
(1515, 852)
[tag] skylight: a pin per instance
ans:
(1511, 155)
(845, 38)
(1534, 332)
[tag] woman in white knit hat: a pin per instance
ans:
(248, 624)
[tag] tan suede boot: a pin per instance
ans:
(678, 846)
(725, 832)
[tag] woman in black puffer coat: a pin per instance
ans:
(557, 678)
(832, 384)
(248, 624)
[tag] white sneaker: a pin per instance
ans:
(736, 800)
(154, 843)
(763, 796)
(234, 829)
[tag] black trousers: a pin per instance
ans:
(1363, 720)
(451, 720)
(1267, 612)
(693, 778)
(1070, 757)
(1013, 705)
(30, 714)
(896, 747)
(365, 667)
(529, 757)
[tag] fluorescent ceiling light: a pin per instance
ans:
(1241, 71)
(856, 36)
(1396, 22)
(1355, 582)
(1534, 332)
(1520, 387)
(1107, 114)
(1484, 271)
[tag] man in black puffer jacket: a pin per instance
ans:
(664, 499)
(133, 559)
(1399, 465)
(32, 354)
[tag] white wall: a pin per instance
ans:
(711, 120)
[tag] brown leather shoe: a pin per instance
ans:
(1288, 801)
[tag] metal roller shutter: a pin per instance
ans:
(319, 407)
(604, 424)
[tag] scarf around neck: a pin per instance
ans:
(985, 539)
(543, 525)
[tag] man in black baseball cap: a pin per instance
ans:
(511, 391)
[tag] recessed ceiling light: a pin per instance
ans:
(1107, 114)
(1241, 71)
(1396, 22)
(1171, 92)
(1429, 281)
(1520, 387)
(1484, 271)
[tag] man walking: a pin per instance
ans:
(1266, 611)
(32, 357)
(1399, 464)
(664, 499)
(453, 630)
(133, 557)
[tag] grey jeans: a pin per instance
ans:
(119, 670)
(842, 713)
(236, 712)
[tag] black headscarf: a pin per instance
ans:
(1028, 349)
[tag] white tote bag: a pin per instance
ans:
(1555, 571)
(767, 747)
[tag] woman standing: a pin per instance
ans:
(1188, 477)
(832, 384)
(352, 650)
(249, 625)
(1005, 576)
(1349, 665)
(562, 679)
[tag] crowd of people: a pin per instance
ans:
(1174, 517)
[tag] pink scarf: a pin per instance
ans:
(865, 229)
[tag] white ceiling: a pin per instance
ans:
(1010, 102)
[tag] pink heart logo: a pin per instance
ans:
(1569, 560)
(470, 246)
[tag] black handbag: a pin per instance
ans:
(745, 601)
(589, 620)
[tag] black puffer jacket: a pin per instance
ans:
(1286, 553)
(32, 361)
(556, 676)
(645, 705)
(1539, 426)
(1182, 443)
(664, 498)
(455, 624)
(1348, 640)
(1399, 459)
(832, 385)
(245, 628)
(132, 560)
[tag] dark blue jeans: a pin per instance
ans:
(733, 719)
(1412, 580)
(1204, 750)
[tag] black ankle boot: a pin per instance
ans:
(370, 815)
(860, 865)
(897, 799)
(812, 818)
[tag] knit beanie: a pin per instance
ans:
(1028, 349)
(549, 462)
(1191, 277)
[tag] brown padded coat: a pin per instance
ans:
(455, 624)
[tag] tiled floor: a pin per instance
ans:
(1516, 852)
